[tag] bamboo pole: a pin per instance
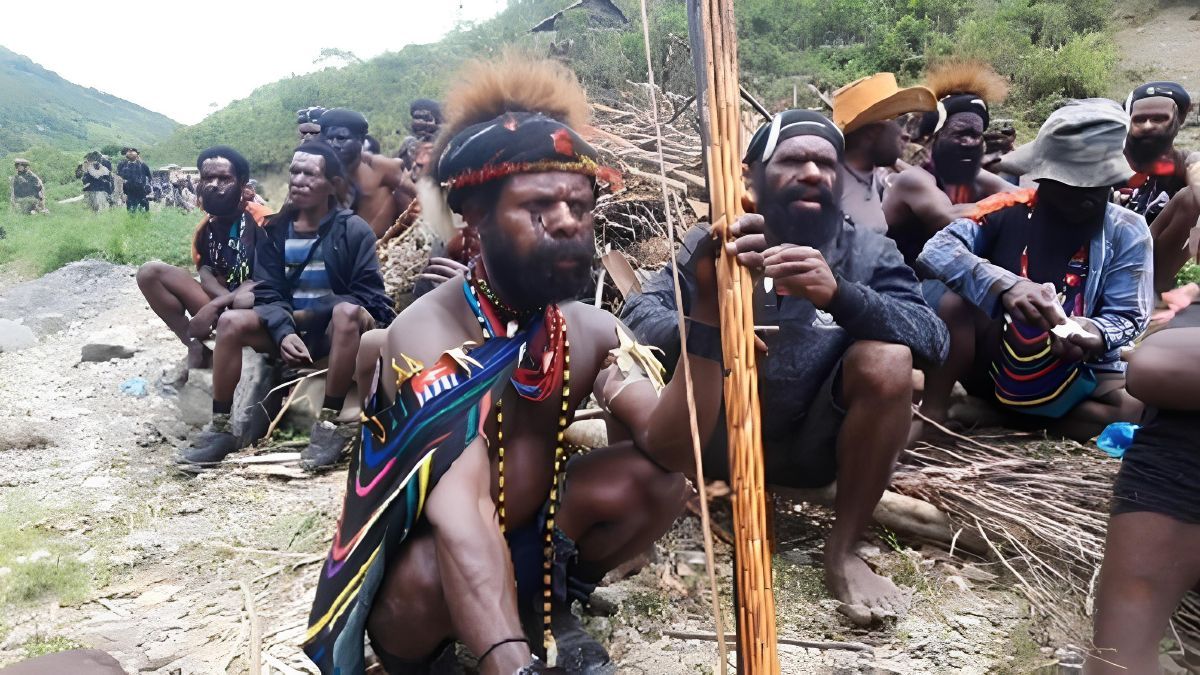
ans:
(756, 635)
(685, 365)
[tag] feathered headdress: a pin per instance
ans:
(509, 116)
(962, 85)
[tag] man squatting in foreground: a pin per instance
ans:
(317, 289)
(463, 441)
(835, 380)
(222, 250)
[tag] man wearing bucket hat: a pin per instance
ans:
(1047, 285)
(865, 111)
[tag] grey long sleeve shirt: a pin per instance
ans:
(878, 299)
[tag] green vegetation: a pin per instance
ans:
(1050, 49)
(41, 244)
(35, 567)
(1190, 274)
(42, 645)
(39, 107)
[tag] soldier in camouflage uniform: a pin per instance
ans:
(26, 193)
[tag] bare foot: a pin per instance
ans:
(198, 356)
(866, 597)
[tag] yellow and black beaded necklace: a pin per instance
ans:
(554, 367)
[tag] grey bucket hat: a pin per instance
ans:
(1081, 144)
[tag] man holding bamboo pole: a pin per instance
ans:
(842, 324)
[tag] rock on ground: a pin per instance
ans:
(15, 336)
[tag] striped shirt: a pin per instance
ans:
(312, 283)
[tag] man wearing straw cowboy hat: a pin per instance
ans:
(842, 325)
(865, 111)
(1046, 286)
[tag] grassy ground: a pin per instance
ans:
(43, 243)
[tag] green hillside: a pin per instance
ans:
(40, 108)
(1050, 49)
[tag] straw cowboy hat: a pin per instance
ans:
(877, 98)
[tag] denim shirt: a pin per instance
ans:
(1118, 295)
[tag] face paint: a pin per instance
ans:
(958, 150)
(347, 145)
(219, 190)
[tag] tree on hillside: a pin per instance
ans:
(345, 56)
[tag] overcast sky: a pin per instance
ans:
(178, 57)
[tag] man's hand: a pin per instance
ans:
(202, 324)
(1034, 304)
(801, 271)
(441, 270)
(1075, 347)
(293, 351)
(243, 297)
(749, 242)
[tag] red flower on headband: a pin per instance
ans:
(563, 144)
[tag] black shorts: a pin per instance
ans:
(1160, 472)
(318, 344)
(808, 459)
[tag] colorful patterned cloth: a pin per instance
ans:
(406, 447)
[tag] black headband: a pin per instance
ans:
(514, 143)
(342, 117)
(241, 168)
(1171, 90)
(961, 103)
(791, 123)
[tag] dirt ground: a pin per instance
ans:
(108, 546)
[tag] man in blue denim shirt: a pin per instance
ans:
(1045, 290)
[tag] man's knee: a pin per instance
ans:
(149, 273)
(879, 370)
(412, 590)
(237, 323)
(347, 317)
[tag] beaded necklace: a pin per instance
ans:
(556, 326)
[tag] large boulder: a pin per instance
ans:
(254, 406)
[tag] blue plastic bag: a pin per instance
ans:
(1116, 438)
